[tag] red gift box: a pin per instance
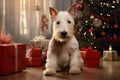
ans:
(36, 52)
(12, 58)
(91, 57)
(35, 58)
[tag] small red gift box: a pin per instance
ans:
(35, 58)
(36, 52)
(91, 57)
(12, 58)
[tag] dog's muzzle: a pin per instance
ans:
(63, 34)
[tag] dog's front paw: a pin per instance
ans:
(74, 71)
(58, 68)
(49, 72)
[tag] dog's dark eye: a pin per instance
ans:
(58, 22)
(69, 21)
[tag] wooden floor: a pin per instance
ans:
(109, 70)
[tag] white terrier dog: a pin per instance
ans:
(63, 49)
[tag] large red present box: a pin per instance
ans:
(35, 58)
(12, 58)
(91, 57)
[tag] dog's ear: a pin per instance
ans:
(53, 13)
(72, 10)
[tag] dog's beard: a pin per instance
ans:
(63, 39)
(60, 38)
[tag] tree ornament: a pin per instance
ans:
(44, 23)
(91, 30)
(116, 26)
(80, 6)
(97, 22)
(103, 33)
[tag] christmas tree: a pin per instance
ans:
(98, 24)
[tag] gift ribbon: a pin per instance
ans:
(16, 58)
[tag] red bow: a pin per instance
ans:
(5, 39)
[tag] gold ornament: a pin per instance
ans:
(97, 22)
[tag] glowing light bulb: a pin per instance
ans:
(101, 14)
(113, 1)
(112, 6)
(91, 43)
(103, 27)
(108, 15)
(86, 21)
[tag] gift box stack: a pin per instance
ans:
(91, 57)
(34, 57)
(40, 42)
(12, 55)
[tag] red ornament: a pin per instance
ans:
(91, 30)
(44, 23)
(116, 26)
(103, 33)
(80, 6)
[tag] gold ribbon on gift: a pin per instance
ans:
(16, 58)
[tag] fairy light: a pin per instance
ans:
(95, 47)
(91, 1)
(108, 15)
(104, 23)
(101, 3)
(112, 6)
(86, 21)
(84, 33)
(103, 27)
(107, 4)
(91, 43)
(101, 14)
(104, 3)
(96, 19)
(114, 2)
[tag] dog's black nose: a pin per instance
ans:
(64, 33)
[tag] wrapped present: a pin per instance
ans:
(40, 42)
(110, 55)
(91, 57)
(12, 58)
(34, 57)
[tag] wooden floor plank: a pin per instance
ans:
(109, 70)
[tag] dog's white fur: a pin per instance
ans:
(63, 52)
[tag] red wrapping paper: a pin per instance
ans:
(91, 57)
(36, 52)
(34, 61)
(35, 58)
(10, 62)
